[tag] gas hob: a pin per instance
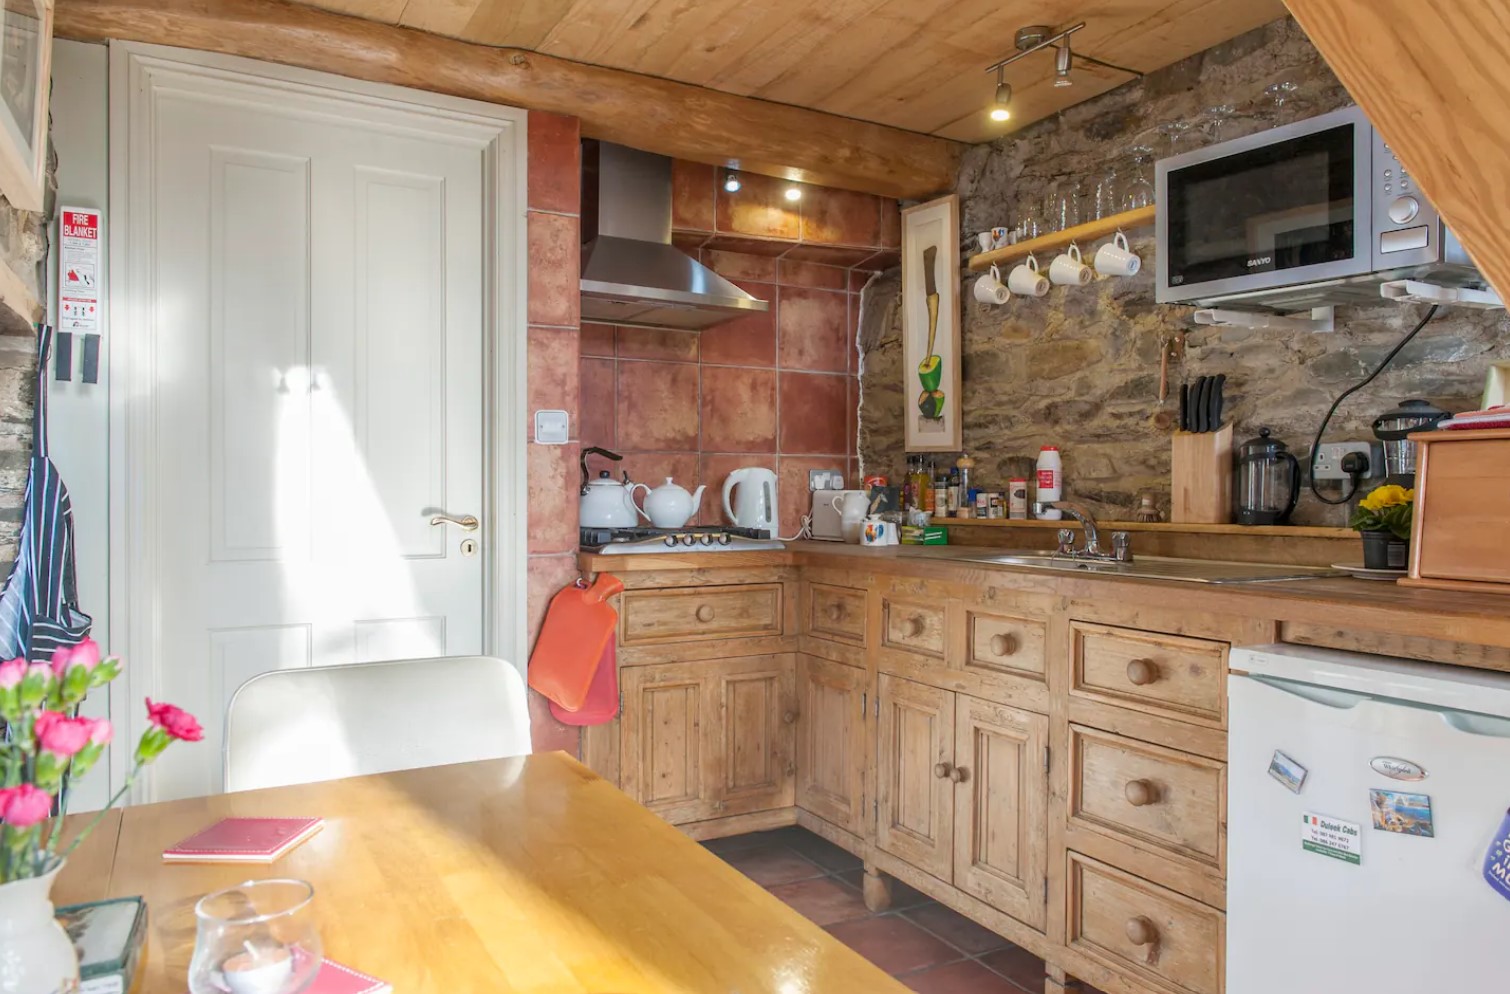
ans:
(711, 538)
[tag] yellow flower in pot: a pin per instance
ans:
(1384, 519)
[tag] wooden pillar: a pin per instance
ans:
(1055, 981)
(877, 889)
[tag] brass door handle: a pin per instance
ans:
(467, 522)
(704, 612)
(1141, 672)
(1003, 645)
(1140, 792)
(942, 770)
(959, 774)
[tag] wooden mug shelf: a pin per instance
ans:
(1046, 246)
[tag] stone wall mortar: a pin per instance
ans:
(1080, 368)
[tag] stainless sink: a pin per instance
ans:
(1142, 567)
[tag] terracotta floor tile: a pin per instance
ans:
(894, 944)
(903, 897)
(771, 865)
(1017, 965)
(751, 840)
(965, 977)
(822, 900)
(957, 930)
(824, 852)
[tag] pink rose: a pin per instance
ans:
(177, 722)
(63, 736)
(24, 806)
(11, 672)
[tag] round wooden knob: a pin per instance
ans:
(1140, 792)
(1141, 931)
(790, 717)
(705, 612)
(1141, 672)
(835, 612)
(941, 770)
(959, 774)
(1003, 645)
(916, 626)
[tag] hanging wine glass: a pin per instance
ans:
(1281, 91)
(1139, 191)
(1108, 192)
(1215, 118)
(1174, 132)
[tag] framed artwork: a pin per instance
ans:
(931, 326)
(25, 75)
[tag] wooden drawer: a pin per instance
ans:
(913, 626)
(1140, 929)
(836, 613)
(1170, 675)
(999, 644)
(691, 614)
(1149, 796)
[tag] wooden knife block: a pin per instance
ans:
(1201, 477)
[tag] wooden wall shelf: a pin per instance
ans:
(1045, 246)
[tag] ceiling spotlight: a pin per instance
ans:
(1062, 62)
(1001, 105)
(731, 182)
(794, 193)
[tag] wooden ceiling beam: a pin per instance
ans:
(1433, 78)
(658, 115)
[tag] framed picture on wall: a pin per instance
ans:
(931, 326)
(25, 74)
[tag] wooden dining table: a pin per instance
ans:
(529, 874)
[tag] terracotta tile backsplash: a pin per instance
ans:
(695, 406)
(555, 270)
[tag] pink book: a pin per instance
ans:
(334, 978)
(243, 840)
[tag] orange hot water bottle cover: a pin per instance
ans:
(578, 626)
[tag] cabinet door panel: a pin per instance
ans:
(1001, 808)
(831, 755)
(757, 714)
(668, 712)
(915, 794)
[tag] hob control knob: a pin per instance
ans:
(705, 539)
(670, 540)
(724, 538)
(689, 539)
(1403, 210)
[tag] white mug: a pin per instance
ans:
(989, 289)
(1001, 237)
(1025, 279)
(987, 241)
(1069, 269)
(1116, 259)
(877, 531)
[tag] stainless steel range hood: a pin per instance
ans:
(631, 273)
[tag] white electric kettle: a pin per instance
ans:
(754, 491)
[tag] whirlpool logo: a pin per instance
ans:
(1263, 260)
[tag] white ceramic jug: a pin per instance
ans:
(754, 492)
(852, 506)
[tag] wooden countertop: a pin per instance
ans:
(1343, 602)
(527, 875)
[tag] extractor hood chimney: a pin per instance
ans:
(631, 273)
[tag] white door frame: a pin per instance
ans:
(134, 503)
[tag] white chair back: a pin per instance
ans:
(317, 723)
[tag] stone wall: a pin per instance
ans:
(1080, 368)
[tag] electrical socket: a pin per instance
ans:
(1329, 455)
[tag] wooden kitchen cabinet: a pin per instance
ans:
(710, 738)
(831, 744)
(915, 754)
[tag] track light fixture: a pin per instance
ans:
(731, 181)
(1001, 107)
(1033, 38)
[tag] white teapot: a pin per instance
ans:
(668, 505)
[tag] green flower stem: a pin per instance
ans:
(130, 779)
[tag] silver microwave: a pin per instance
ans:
(1314, 213)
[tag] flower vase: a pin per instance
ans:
(36, 955)
(1382, 550)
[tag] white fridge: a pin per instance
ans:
(1368, 834)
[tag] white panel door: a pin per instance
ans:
(317, 320)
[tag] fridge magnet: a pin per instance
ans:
(1497, 860)
(1328, 836)
(1288, 772)
(931, 325)
(1399, 812)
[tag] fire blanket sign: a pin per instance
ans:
(79, 276)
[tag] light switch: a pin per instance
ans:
(551, 428)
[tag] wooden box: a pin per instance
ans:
(1460, 538)
(1201, 477)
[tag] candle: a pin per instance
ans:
(258, 971)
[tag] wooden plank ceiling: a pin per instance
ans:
(912, 64)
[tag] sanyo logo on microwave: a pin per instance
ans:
(1262, 260)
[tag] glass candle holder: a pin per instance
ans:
(259, 937)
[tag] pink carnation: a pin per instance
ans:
(102, 732)
(24, 806)
(11, 672)
(85, 654)
(63, 736)
(177, 722)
